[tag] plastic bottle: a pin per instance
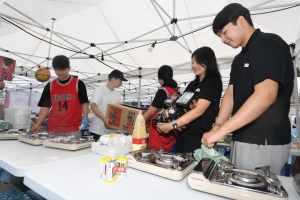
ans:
(139, 136)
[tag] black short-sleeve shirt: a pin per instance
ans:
(210, 90)
(159, 99)
(45, 100)
(266, 56)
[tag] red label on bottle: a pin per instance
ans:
(143, 123)
(139, 140)
(121, 170)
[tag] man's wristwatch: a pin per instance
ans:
(174, 124)
(216, 124)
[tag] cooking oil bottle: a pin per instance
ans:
(139, 135)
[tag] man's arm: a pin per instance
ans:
(85, 109)
(34, 120)
(264, 96)
(149, 113)
(226, 107)
(98, 113)
(42, 116)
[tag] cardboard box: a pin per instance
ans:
(122, 116)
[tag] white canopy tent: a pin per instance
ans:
(101, 35)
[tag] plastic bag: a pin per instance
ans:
(18, 116)
(115, 140)
(205, 152)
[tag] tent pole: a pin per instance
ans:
(140, 87)
(117, 61)
(123, 96)
(48, 58)
(133, 41)
(71, 57)
(24, 54)
(174, 9)
(183, 37)
(16, 54)
(162, 8)
(41, 26)
(22, 57)
(25, 15)
(149, 40)
(20, 20)
(29, 101)
(275, 6)
(175, 24)
(296, 90)
(34, 63)
(197, 17)
(69, 42)
(111, 48)
(78, 53)
(254, 8)
(58, 35)
(183, 46)
(263, 3)
(201, 27)
(161, 17)
(82, 57)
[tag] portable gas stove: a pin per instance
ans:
(224, 180)
(10, 134)
(68, 142)
(32, 138)
(171, 166)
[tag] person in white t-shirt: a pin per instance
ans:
(102, 96)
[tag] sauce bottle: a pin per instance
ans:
(139, 135)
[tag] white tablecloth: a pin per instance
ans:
(17, 157)
(78, 179)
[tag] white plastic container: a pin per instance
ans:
(110, 151)
(115, 140)
(60, 145)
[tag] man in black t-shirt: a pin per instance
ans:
(258, 95)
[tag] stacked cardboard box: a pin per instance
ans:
(123, 116)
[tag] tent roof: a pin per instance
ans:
(123, 31)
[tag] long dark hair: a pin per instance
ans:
(165, 73)
(206, 56)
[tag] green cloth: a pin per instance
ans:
(205, 152)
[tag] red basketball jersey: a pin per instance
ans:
(66, 110)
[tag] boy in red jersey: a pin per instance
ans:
(67, 98)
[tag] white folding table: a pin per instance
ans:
(78, 179)
(17, 157)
